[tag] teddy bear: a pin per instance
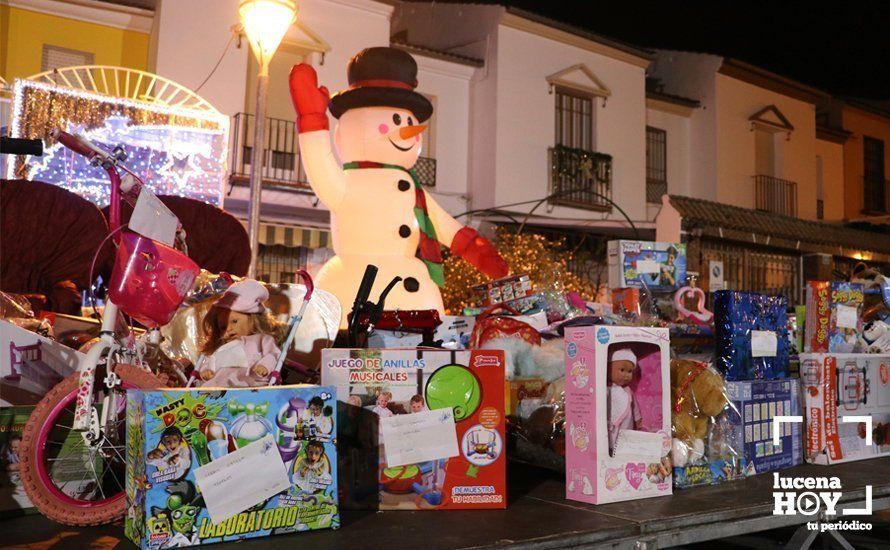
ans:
(697, 395)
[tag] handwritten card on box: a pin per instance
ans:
(764, 343)
(636, 443)
(241, 479)
(419, 437)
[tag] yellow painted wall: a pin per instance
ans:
(832, 155)
(23, 34)
(861, 123)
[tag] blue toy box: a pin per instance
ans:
(177, 438)
(660, 267)
(757, 403)
(751, 335)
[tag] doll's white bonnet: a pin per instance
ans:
(625, 354)
(246, 296)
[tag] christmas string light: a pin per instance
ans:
(176, 151)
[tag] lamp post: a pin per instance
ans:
(265, 23)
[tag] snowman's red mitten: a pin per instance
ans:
(310, 99)
(474, 248)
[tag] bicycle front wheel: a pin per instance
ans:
(67, 479)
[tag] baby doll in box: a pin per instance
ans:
(241, 347)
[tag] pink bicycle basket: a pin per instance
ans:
(150, 279)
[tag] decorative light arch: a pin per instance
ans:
(177, 140)
(126, 83)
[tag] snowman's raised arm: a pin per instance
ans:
(325, 176)
(465, 242)
(311, 103)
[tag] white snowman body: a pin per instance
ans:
(372, 209)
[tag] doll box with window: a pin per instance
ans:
(618, 424)
(838, 388)
(447, 405)
(176, 439)
(660, 267)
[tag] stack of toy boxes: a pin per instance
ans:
(420, 429)
(621, 463)
(208, 466)
(842, 391)
(752, 352)
(503, 290)
(833, 316)
(659, 267)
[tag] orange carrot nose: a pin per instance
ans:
(409, 132)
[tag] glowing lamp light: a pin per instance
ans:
(265, 24)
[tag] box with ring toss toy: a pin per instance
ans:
(419, 429)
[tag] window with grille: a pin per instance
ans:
(57, 57)
(574, 119)
(874, 183)
(656, 164)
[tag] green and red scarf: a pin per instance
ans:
(428, 249)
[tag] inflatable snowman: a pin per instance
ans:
(380, 214)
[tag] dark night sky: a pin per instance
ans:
(842, 48)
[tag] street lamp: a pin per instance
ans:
(265, 23)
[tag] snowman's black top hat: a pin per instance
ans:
(382, 77)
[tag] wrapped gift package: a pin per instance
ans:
(209, 465)
(844, 386)
(604, 465)
(421, 429)
(751, 333)
(660, 267)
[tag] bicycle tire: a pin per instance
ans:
(32, 470)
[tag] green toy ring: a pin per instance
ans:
(454, 387)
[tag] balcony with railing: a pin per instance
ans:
(776, 195)
(876, 195)
(580, 179)
(281, 155)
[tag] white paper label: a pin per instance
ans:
(231, 354)
(763, 343)
(152, 219)
(847, 316)
(648, 266)
(715, 276)
(637, 443)
(419, 437)
(241, 479)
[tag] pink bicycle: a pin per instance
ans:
(73, 457)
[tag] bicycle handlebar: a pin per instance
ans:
(78, 144)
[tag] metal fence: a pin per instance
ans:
(580, 179)
(776, 195)
(425, 171)
(281, 154)
(755, 271)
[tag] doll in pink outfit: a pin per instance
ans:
(241, 348)
(624, 414)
